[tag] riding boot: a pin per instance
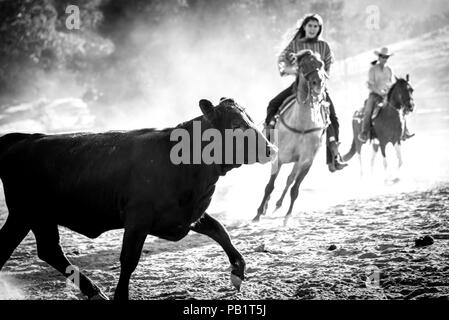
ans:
(337, 162)
(273, 107)
(373, 99)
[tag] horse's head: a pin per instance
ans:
(242, 141)
(311, 68)
(401, 95)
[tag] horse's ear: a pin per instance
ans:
(206, 107)
(407, 77)
(301, 54)
(397, 79)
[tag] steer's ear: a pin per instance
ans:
(207, 108)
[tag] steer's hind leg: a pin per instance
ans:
(215, 230)
(50, 251)
(133, 242)
(11, 234)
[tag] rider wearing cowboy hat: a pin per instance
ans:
(380, 80)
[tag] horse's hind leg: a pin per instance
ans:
(275, 168)
(397, 147)
(303, 170)
(373, 155)
(359, 155)
(50, 251)
(385, 162)
(290, 180)
(11, 234)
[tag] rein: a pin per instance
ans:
(302, 132)
(297, 131)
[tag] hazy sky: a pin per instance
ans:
(413, 7)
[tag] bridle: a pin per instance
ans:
(405, 106)
(307, 101)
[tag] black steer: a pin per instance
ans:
(93, 183)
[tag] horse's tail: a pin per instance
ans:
(348, 156)
(355, 146)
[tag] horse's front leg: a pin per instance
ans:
(373, 155)
(397, 148)
(291, 178)
(215, 230)
(387, 177)
(303, 169)
(275, 168)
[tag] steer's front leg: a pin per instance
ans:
(129, 258)
(215, 230)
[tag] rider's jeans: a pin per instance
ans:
(276, 102)
(373, 99)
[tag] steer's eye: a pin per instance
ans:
(235, 124)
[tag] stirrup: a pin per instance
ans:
(338, 164)
(407, 136)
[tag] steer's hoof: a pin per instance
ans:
(236, 281)
(99, 296)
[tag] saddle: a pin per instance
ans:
(377, 108)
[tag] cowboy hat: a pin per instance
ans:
(383, 52)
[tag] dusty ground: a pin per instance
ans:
(290, 262)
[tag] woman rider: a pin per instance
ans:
(380, 80)
(307, 36)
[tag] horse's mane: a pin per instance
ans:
(390, 92)
(306, 53)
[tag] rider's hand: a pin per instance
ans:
(292, 70)
(293, 58)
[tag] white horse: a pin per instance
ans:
(300, 129)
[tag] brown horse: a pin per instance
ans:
(299, 131)
(388, 126)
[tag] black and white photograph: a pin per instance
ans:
(240, 151)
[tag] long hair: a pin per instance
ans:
(299, 29)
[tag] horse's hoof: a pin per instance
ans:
(236, 281)
(99, 296)
(286, 219)
(256, 219)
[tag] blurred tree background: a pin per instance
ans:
(123, 47)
